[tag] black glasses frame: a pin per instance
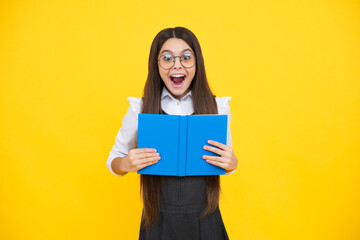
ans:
(180, 58)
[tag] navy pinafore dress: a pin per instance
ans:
(182, 200)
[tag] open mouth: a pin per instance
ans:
(177, 80)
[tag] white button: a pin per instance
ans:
(177, 103)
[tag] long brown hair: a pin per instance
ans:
(203, 102)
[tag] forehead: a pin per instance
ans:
(175, 46)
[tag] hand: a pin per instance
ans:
(227, 159)
(139, 158)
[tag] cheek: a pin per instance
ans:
(163, 74)
(192, 74)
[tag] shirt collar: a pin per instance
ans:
(165, 93)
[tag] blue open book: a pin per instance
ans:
(179, 140)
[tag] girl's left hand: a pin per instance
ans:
(227, 159)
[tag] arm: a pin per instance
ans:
(124, 141)
(116, 166)
(125, 156)
(228, 159)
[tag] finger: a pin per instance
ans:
(141, 166)
(218, 144)
(213, 149)
(147, 155)
(146, 160)
(144, 150)
(216, 163)
(213, 158)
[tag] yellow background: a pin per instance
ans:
(292, 69)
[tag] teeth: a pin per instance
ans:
(177, 75)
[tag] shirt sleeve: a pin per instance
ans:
(126, 138)
(224, 108)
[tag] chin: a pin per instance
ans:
(176, 92)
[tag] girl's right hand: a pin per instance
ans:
(139, 158)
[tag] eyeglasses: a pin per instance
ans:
(167, 61)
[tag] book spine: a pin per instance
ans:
(182, 146)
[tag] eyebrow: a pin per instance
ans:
(171, 51)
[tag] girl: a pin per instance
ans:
(175, 207)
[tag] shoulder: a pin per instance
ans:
(223, 104)
(135, 103)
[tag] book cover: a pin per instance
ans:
(179, 140)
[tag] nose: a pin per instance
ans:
(177, 63)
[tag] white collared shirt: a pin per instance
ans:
(126, 138)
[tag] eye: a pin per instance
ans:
(167, 57)
(187, 56)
